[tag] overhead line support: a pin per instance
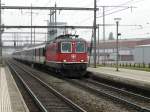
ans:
(47, 8)
(71, 27)
(119, 6)
(94, 35)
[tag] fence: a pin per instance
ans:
(133, 65)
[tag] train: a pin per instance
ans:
(66, 54)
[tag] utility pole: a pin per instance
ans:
(45, 38)
(98, 45)
(50, 20)
(95, 33)
(17, 38)
(104, 34)
(14, 39)
(31, 23)
(0, 34)
(34, 36)
(55, 19)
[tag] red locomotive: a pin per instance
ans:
(66, 53)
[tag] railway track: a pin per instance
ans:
(46, 97)
(137, 102)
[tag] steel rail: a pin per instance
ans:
(117, 89)
(113, 97)
(43, 109)
(65, 99)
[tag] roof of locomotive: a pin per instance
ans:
(68, 37)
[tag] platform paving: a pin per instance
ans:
(133, 77)
(5, 105)
(10, 97)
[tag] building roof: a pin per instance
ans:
(148, 45)
(130, 43)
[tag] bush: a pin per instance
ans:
(143, 65)
(149, 65)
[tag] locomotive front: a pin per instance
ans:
(69, 54)
(73, 55)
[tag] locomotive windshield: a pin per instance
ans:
(66, 47)
(80, 47)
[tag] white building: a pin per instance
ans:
(142, 54)
(128, 51)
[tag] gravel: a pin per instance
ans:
(86, 100)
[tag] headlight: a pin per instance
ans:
(82, 60)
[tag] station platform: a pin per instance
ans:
(11, 99)
(135, 78)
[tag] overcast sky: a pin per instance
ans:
(139, 16)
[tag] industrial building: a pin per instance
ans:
(128, 50)
(142, 54)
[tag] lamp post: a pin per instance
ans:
(117, 45)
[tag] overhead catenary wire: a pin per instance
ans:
(105, 14)
(126, 3)
(138, 0)
(114, 12)
(121, 5)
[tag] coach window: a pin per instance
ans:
(43, 51)
(59, 47)
(80, 47)
(34, 52)
(40, 51)
(66, 47)
(37, 52)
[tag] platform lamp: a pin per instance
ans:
(117, 45)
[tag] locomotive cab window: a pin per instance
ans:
(66, 47)
(80, 47)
